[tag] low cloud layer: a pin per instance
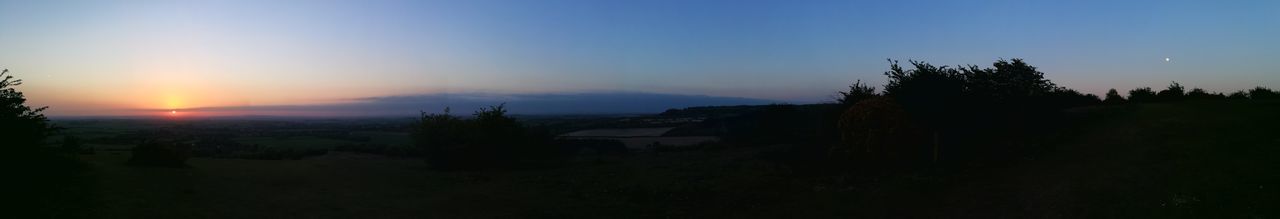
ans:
(465, 103)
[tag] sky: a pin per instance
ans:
(346, 57)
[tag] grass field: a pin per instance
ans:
(1190, 160)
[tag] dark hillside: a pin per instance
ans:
(1207, 159)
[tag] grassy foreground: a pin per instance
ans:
(1194, 159)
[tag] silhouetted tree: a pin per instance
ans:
(930, 93)
(21, 127)
(1238, 95)
(497, 136)
(1174, 92)
(1010, 82)
(1113, 97)
(37, 181)
(1262, 93)
(857, 92)
(441, 137)
(1142, 95)
(968, 108)
(490, 139)
(1201, 94)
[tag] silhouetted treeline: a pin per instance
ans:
(939, 113)
(1176, 92)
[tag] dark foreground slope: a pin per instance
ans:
(1193, 159)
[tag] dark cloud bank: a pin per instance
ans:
(465, 103)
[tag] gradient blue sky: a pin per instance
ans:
(112, 57)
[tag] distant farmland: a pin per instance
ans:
(641, 138)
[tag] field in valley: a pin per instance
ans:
(1194, 159)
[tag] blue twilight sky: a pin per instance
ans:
(118, 57)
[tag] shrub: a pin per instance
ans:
(158, 153)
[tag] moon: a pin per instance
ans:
(1166, 59)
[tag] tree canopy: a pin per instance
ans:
(20, 125)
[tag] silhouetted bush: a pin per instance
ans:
(857, 92)
(490, 139)
(964, 111)
(160, 153)
(942, 96)
(1142, 95)
(1262, 93)
(1062, 98)
(929, 93)
(1009, 82)
(878, 130)
(22, 128)
(1113, 97)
